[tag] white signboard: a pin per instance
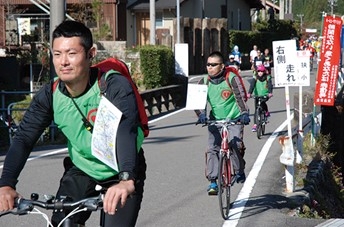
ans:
(303, 67)
(24, 26)
(181, 59)
(196, 98)
(285, 71)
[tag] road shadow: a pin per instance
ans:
(260, 204)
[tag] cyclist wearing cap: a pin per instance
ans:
(232, 62)
(261, 85)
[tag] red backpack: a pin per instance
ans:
(236, 72)
(122, 68)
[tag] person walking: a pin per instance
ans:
(236, 53)
(77, 92)
(227, 99)
(267, 60)
(258, 60)
(253, 54)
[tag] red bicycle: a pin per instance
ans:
(226, 174)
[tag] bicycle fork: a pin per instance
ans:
(225, 150)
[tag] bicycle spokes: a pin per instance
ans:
(225, 183)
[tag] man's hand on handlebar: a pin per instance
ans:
(245, 119)
(116, 194)
(202, 118)
(7, 196)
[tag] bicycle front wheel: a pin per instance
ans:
(262, 123)
(225, 177)
(259, 119)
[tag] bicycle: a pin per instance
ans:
(28, 206)
(10, 124)
(260, 115)
(226, 174)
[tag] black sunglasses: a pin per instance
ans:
(213, 64)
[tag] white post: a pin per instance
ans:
(299, 155)
(31, 81)
(289, 170)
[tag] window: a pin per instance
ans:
(158, 19)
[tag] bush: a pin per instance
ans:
(157, 65)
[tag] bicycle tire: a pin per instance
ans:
(258, 117)
(225, 178)
(262, 122)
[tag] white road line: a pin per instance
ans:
(43, 155)
(239, 204)
(166, 116)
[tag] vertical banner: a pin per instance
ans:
(326, 82)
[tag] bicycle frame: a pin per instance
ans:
(226, 176)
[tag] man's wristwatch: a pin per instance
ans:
(125, 176)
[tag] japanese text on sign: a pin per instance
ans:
(285, 63)
(328, 66)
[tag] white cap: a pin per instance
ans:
(231, 56)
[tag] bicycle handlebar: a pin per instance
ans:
(25, 206)
(262, 97)
(225, 121)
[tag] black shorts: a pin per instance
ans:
(76, 185)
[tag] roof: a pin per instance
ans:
(159, 4)
(270, 4)
(171, 4)
(255, 4)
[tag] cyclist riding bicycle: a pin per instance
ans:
(227, 99)
(261, 85)
(257, 61)
(78, 93)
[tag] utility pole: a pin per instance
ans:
(301, 21)
(152, 21)
(332, 4)
(57, 16)
(178, 21)
(282, 11)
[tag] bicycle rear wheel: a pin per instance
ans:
(225, 177)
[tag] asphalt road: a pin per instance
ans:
(175, 191)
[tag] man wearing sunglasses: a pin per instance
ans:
(227, 98)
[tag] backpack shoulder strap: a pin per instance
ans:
(206, 80)
(102, 77)
(55, 83)
(232, 72)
